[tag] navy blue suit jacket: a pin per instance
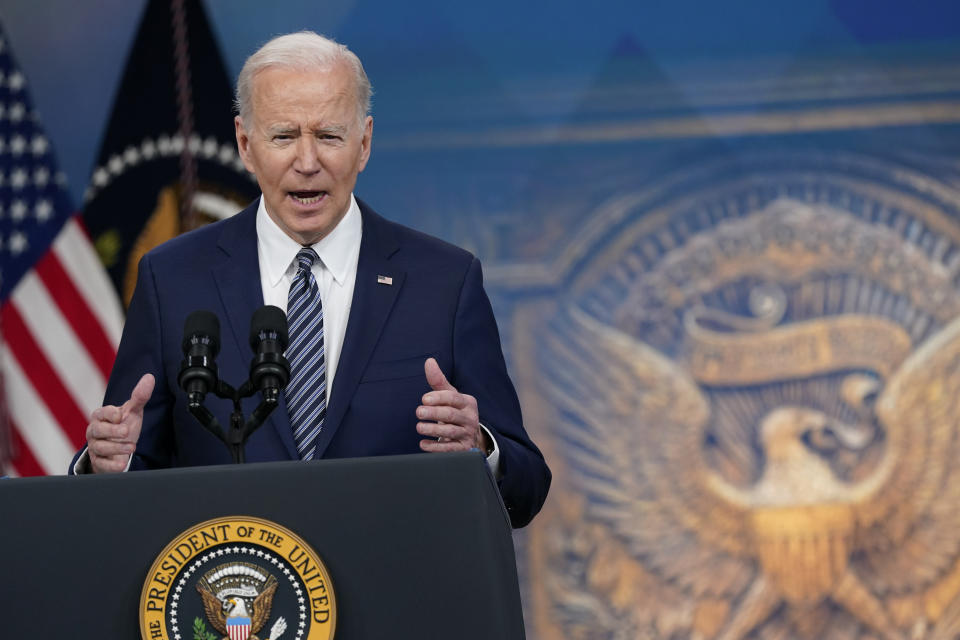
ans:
(435, 306)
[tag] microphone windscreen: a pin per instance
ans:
(268, 319)
(202, 323)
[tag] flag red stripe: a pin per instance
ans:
(75, 309)
(78, 219)
(42, 376)
(23, 458)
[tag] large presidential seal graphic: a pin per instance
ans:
(755, 407)
(237, 578)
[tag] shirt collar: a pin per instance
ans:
(335, 249)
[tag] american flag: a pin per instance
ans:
(60, 319)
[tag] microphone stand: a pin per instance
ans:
(240, 429)
(269, 373)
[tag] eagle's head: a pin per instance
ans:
(239, 609)
(800, 432)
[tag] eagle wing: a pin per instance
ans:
(214, 609)
(262, 605)
(910, 519)
(634, 424)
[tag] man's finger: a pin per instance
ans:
(436, 431)
(107, 431)
(435, 377)
(109, 448)
(108, 413)
(432, 446)
(447, 398)
(140, 395)
(446, 414)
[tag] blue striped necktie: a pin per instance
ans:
(306, 392)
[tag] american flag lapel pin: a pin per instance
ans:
(384, 280)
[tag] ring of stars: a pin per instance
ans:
(163, 146)
(254, 553)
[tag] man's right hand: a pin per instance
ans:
(113, 431)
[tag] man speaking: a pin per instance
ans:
(393, 345)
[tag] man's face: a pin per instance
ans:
(306, 145)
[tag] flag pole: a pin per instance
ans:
(188, 163)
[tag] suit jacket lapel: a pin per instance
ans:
(371, 305)
(238, 282)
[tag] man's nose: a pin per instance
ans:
(308, 155)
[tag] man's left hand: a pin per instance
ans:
(449, 420)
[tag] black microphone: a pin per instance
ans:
(269, 370)
(201, 344)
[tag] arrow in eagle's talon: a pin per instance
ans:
(277, 629)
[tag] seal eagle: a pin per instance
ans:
(258, 611)
(800, 534)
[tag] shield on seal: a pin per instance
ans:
(238, 628)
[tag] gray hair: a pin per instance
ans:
(304, 50)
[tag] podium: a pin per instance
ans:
(415, 546)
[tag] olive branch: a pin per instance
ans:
(200, 630)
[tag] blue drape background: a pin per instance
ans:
(692, 183)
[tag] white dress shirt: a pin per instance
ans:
(335, 273)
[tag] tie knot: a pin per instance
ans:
(305, 258)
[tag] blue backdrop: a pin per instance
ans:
(728, 231)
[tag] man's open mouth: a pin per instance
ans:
(307, 197)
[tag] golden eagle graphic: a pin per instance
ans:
(800, 535)
(258, 611)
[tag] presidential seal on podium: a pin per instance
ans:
(237, 578)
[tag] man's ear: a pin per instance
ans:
(243, 143)
(365, 142)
